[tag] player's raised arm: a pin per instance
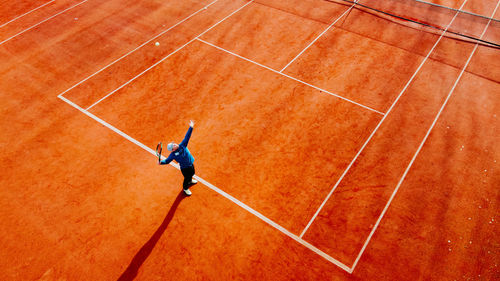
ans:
(185, 141)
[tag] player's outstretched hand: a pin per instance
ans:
(191, 123)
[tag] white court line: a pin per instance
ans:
(29, 28)
(138, 75)
(288, 76)
(316, 39)
(270, 222)
(140, 46)
(158, 62)
(421, 145)
(26, 13)
(216, 189)
(376, 128)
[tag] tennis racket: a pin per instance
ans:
(159, 148)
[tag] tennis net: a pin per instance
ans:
(429, 17)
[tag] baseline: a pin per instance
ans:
(216, 189)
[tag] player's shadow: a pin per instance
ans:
(131, 272)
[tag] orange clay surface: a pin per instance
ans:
(9, 10)
(78, 201)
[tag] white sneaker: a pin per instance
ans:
(193, 182)
(187, 192)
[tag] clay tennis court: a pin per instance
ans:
(332, 141)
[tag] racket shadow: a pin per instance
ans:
(131, 272)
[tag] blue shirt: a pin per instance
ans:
(182, 154)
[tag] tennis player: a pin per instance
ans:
(180, 153)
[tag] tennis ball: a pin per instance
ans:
(157, 43)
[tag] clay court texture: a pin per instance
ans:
(332, 141)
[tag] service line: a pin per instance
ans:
(33, 26)
(290, 77)
(378, 126)
(214, 188)
(26, 13)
